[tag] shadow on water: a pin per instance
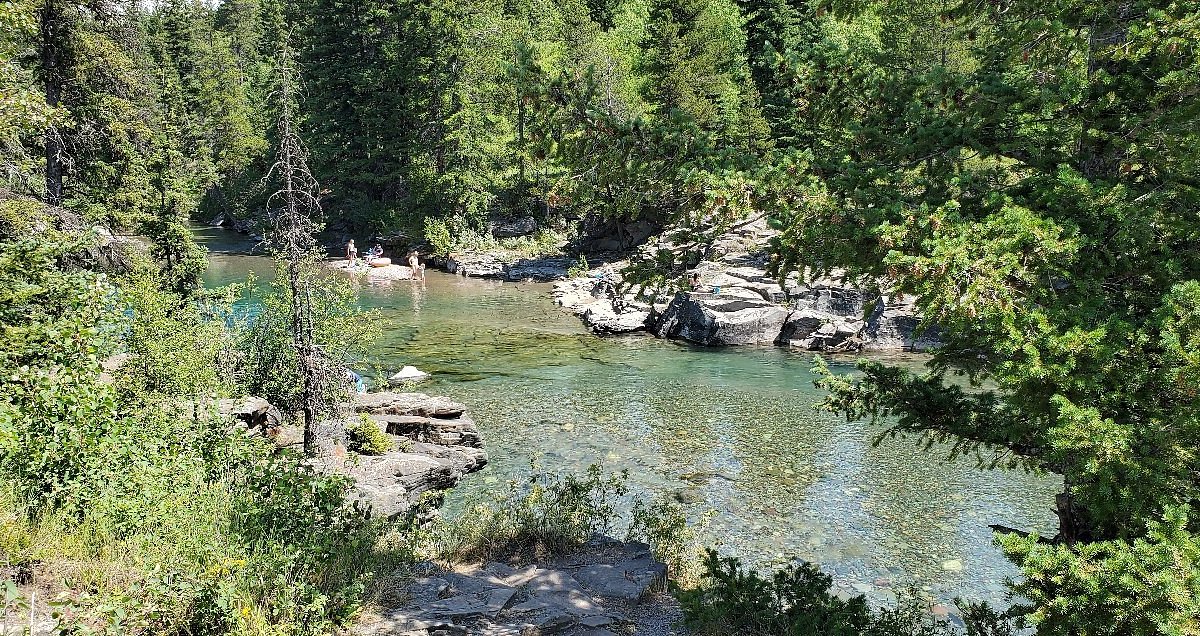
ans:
(733, 431)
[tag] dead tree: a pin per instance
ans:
(292, 211)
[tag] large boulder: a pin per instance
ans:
(802, 324)
(601, 318)
(523, 226)
(830, 299)
(713, 319)
(899, 327)
(254, 413)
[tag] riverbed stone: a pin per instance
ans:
(953, 565)
(407, 373)
(252, 412)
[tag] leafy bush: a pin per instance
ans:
(309, 545)
(579, 269)
(367, 438)
(153, 518)
(796, 601)
(541, 517)
(664, 527)
(437, 234)
(1143, 587)
(342, 331)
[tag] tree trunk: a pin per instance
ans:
(53, 39)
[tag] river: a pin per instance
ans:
(732, 432)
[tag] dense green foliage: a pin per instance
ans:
(118, 474)
(1028, 170)
(796, 601)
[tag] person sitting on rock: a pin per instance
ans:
(373, 253)
(694, 281)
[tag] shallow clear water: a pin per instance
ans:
(731, 430)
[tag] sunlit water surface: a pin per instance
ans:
(731, 433)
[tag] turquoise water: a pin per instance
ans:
(732, 431)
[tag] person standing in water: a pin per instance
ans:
(414, 263)
(351, 253)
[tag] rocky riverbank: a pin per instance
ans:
(606, 588)
(740, 304)
(434, 445)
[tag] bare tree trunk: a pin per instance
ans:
(291, 210)
(53, 31)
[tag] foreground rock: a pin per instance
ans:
(434, 445)
(607, 588)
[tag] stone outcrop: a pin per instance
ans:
(595, 592)
(522, 226)
(393, 483)
(434, 444)
(821, 318)
(437, 445)
(713, 319)
(739, 303)
(491, 265)
(592, 299)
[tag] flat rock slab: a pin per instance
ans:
(591, 592)
(391, 403)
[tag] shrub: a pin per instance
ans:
(542, 517)
(367, 438)
(664, 527)
(342, 332)
(579, 269)
(796, 601)
(309, 545)
(437, 233)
